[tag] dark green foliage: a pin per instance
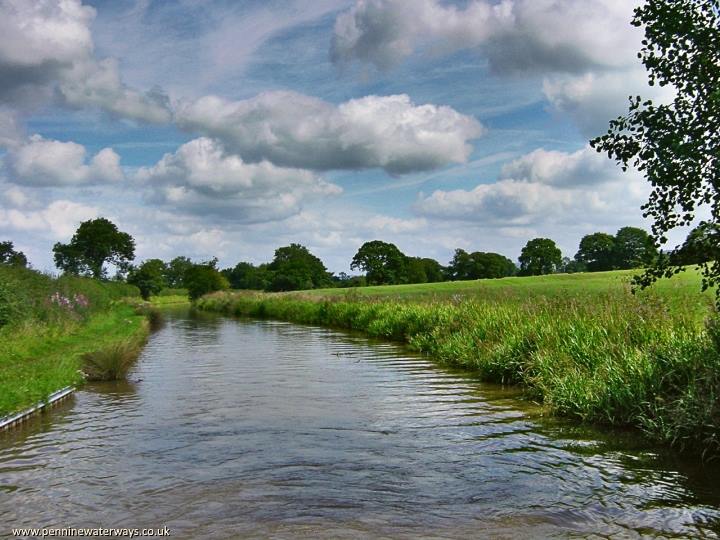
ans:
(702, 245)
(597, 252)
(634, 248)
(540, 256)
(175, 272)
(415, 270)
(434, 271)
(204, 278)
(247, 276)
(9, 255)
(383, 263)
(571, 266)
(480, 265)
(631, 247)
(294, 268)
(96, 242)
(149, 277)
(344, 280)
(675, 145)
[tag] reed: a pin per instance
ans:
(112, 362)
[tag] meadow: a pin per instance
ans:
(48, 324)
(583, 345)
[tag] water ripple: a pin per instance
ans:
(266, 429)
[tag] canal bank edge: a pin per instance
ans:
(623, 361)
(16, 419)
(50, 367)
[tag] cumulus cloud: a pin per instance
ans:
(593, 99)
(545, 187)
(10, 131)
(98, 84)
(508, 202)
(294, 130)
(202, 178)
(576, 169)
(539, 35)
(44, 162)
(59, 219)
(586, 52)
(39, 39)
(46, 44)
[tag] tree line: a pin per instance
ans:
(98, 242)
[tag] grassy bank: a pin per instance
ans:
(595, 352)
(47, 325)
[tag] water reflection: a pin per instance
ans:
(259, 429)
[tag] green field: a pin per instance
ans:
(47, 324)
(684, 285)
(582, 344)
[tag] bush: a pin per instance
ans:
(201, 279)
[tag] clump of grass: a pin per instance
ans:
(113, 362)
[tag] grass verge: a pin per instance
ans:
(598, 354)
(47, 324)
(42, 359)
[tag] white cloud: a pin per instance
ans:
(59, 219)
(200, 177)
(585, 51)
(550, 167)
(43, 162)
(295, 130)
(98, 84)
(593, 99)
(37, 32)
(10, 131)
(507, 202)
(527, 35)
(546, 187)
(44, 43)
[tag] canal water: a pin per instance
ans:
(257, 429)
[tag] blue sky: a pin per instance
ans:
(210, 128)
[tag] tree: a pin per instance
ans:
(382, 262)
(634, 248)
(149, 277)
(597, 252)
(460, 266)
(96, 242)
(295, 268)
(175, 272)
(701, 245)
(204, 278)
(434, 271)
(571, 266)
(676, 144)
(10, 256)
(539, 256)
(415, 270)
(480, 265)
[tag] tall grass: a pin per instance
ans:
(47, 324)
(30, 296)
(114, 361)
(607, 357)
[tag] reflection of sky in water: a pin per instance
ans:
(263, 428)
